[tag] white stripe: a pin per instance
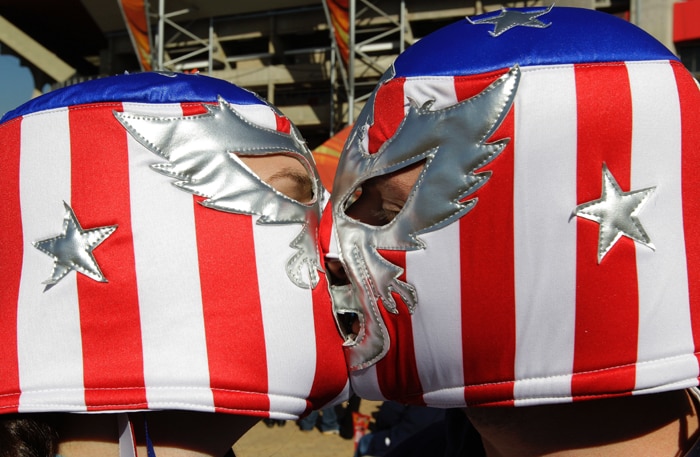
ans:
(435, 272)
(286, 310)
(366, 384)
(439, 90)
(165, 249)
(261, 115)
(48, 324)
(545, 240)
(664, 321)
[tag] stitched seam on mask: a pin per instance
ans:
(551, 377)
(150, 405)
(139, 388)
(376, 314)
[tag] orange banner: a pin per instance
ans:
(340, 21)
(135, 13)
(327, 154)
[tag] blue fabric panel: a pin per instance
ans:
(574, 35)
(140, 88)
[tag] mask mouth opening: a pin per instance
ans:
(349, 325)
(348, 320)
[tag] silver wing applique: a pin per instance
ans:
(453, 144)
(200, 153)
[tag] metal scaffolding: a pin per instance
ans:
(372, 33)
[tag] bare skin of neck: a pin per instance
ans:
(655, 425)
(174, 433)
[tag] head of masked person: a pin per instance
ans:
(516, 210)
(160, 253)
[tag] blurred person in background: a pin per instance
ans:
(326, 419)
(393, 423)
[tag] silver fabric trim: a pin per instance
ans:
(200, 151)
(616, 212)
(72, 249)
(508, 19)
(448, 140)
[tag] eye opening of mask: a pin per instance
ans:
(284, 173)
(380, 199)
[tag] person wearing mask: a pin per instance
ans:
(516, 214)
(161, 284)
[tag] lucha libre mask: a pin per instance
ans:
(545, 249)
(148, 267)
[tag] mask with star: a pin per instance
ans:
(152, 263)
(514, 213)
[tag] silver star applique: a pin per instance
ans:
(72, 250)
(616, 212)
(509, 19)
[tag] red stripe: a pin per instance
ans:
(325, 229)
(388, 115)
(11, 240)
(487, 271)
(232, 311)
(191, 109)
(690, 142)
(606, 294)
(231, 306)
(283, 124)
(330, 366)
(398, 370)
(330, 363)
(109, 312)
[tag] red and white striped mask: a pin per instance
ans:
(547, 252)
(180, 280)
